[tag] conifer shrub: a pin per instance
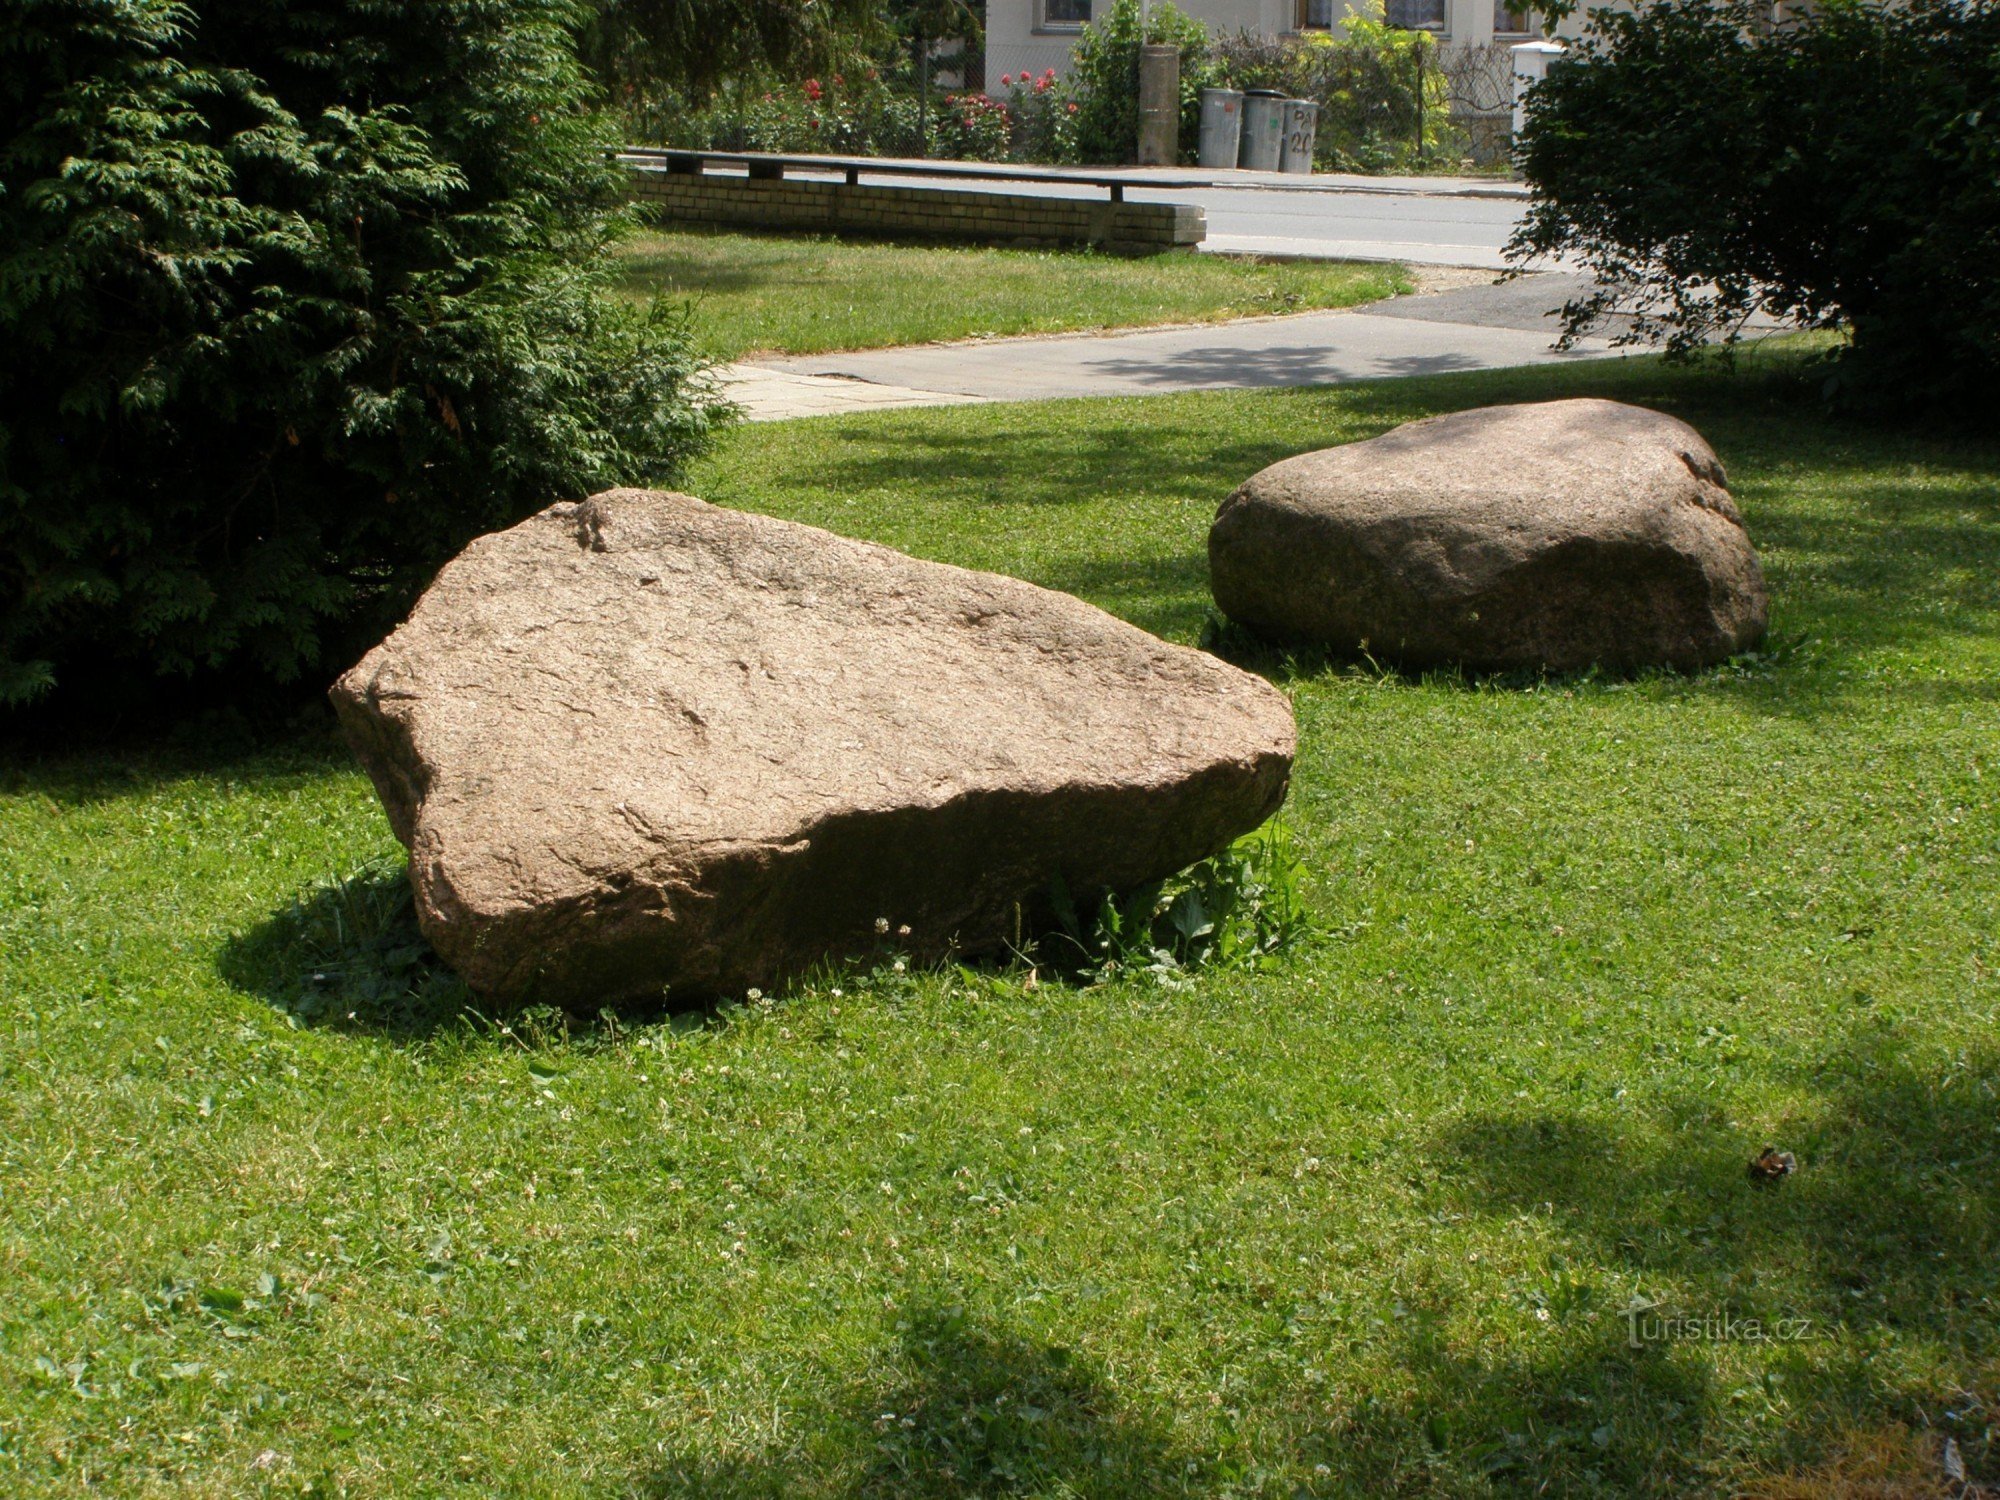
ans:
(297, 296)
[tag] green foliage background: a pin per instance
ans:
(298, 296)
(699, 43)
(1105, 78)
(1384, 101)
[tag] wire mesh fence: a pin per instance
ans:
(1413, 103)
(1479, 92)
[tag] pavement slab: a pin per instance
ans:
(769, 394)
(1478, 327)
(1310, 349)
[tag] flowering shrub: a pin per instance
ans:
(1044, 117)
(842, 115)
(832, 115)
(1379, 87)
(974, 127)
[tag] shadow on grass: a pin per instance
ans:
(1884, 1237)
(968, 1409)
(77, 757)
(1898, 1199)
(1882, 1242)
(1288, 662)
(1164, 595)
(347, 955)
(1039, 458)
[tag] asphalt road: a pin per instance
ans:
(1321, 222)
(1440, 223)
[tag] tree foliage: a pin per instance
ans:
(298, 296)
(695, 44)
(1839, 170)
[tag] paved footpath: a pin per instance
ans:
(1469, 327)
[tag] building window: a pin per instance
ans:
(1315, 15)
(1065, 15)
(1417, 15)
(1508, 21)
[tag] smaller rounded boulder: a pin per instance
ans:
(1546, 537)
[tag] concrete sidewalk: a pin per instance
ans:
(1466, 328)
(769, 393)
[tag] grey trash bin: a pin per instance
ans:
(1221, 127)
(1301, 124)
(1263, 130)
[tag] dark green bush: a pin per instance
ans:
(1840, 170)
(296, 298)
(1105, 78)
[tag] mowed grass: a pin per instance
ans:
(1366, 1223)
(806, 294)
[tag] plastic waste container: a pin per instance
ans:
(1263, 130)
(1301, 125)
(1221, 127)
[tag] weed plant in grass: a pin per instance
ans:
(1366, 1220)
(805, 295)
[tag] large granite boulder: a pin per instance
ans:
(1549, 537)
(643, 743)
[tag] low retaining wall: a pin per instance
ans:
(916, 212)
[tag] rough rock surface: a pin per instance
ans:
(1551, 537)
(642, 742)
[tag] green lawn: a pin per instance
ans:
(1362, 1224)
(805, 295)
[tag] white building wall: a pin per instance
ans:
(1016, 42)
